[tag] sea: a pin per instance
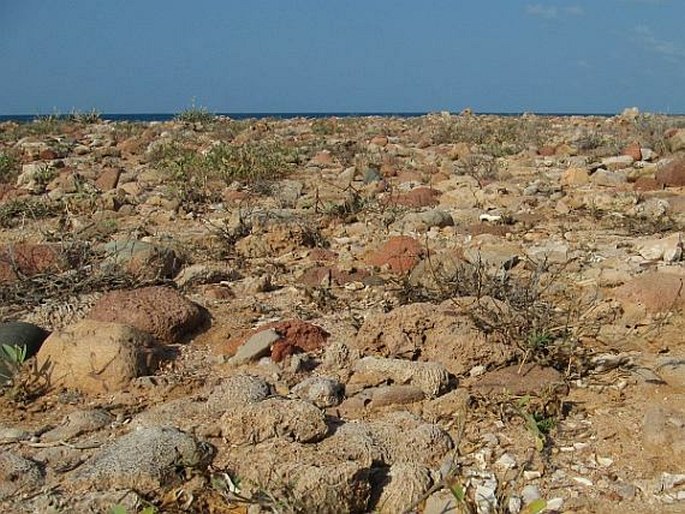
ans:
(147, 117)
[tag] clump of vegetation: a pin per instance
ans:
(192, 171)
(195, 114)
(496, 136)
(517, 306)
(483, 168)
(84, 117)
(9, 167)
(22, 209)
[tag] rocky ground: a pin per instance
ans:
(448, 313)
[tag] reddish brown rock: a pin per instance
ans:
(400, 253)
(160, 311)
(326, 275)
(48, 154)
(519, 380)
(27, 259)
(672, 174)
(322, 255)
(646, 184)
(418, 197)
(633, 150)
(379, 141)
(108, 179)
(296, 336)
(546, 151)
(653, 292)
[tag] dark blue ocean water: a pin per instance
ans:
(277, 115)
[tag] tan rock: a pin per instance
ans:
(575, 177)
(97, 357)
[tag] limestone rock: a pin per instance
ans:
(295, 420)
(146, 460)
(435, 333)
(323, 392)
(430, 377)
(404, 485)
(17, 474)
(96, 357)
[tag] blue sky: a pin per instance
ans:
(342, 55)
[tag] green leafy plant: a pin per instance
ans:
(12, 358)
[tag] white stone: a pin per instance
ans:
(668, 249)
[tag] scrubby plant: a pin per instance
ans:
(84, 117)
(8, 168)
(195, 114)
(19, 210)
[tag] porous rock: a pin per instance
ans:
(160, 311)
(77, 423)
(146, 460)
(430, 333)
(321, 391)
(305, 475)
(295, 420)
(18, 474)
(430, 377)
(94, 356)
(236, 391)
(402, 485)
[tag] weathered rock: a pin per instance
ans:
(160, 311)
(96, 357)
(18, 474)
(255, 347)
(433, 333)
(305, 475)
(76, 423)
(653, 291)
(430, 377)
(404, 485)
(147, 460)
(529, 379)
(293, 336)
(399, 437)
(323, 392)
(668, 249)
(236, 391)
(297, 335)
(30, 259)
(400, 254)
(295, 420)
(672, 173)
(142, 259)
